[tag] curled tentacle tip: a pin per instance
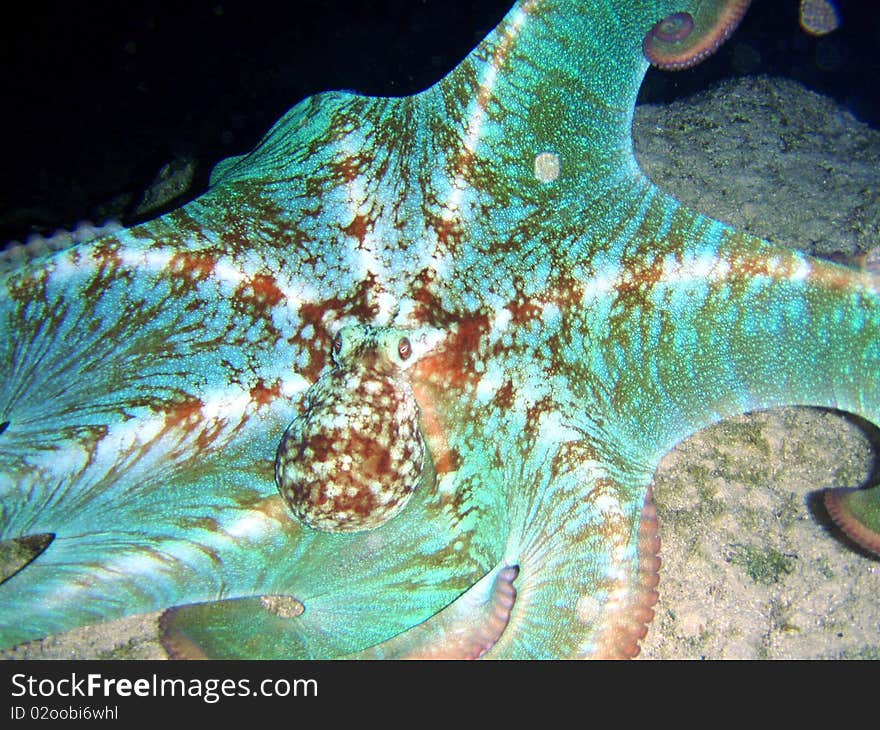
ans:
(509, 573)
(857, 513)
(176, 643)
(681, 40)
(234, 628)
(628, 624)
(818, 17)
(19, 552)
(673, 28)
(502, 603)
(505, 592)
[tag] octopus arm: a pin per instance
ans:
(280, 627)
(786, 330)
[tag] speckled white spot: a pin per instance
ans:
(547, 167)
(588, 609)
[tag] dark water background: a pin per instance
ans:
(99, 95)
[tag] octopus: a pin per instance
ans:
(398, 383)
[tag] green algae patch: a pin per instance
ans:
(764, 565)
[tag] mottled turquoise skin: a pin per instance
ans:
(572, 328)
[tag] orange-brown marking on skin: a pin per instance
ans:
(568, 292)
(194, 266)
(242, 215)
(106, 253)
(458, 354)
(362, 305)
(449, 368)
(274, 508)
(186, 414)
(318, 346)
(109, 268)
(745, 266)
(170, 231)
(260, 292)
(30, 287)
(89, 437)
(434, 431)
(571, 454)
(523, 308)
(358, 227)
(213, 554)
(263, 395)
(642, 280)
(458, 503)
(536, 412)
(505, 396)
(449, 232)
(253, 301)
(199, 523)
(429, 307)
(450, 460)
(349, 168)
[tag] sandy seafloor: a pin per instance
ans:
(751, 566)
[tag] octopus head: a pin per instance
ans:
(352, 460)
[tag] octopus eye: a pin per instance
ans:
(337, 345)
(404, 348)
